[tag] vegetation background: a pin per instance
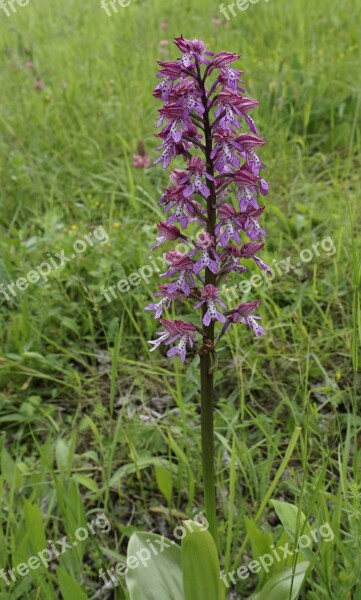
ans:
(89, 420)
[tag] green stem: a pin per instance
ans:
(208, 444)
(207, 383)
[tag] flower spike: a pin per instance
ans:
(205, 126)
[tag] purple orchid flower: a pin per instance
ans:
(206, 244)
(229, 224)
(247, 188)
(233, 106)
(223, 152)
(250, 223)
(177, 124)
(174, 330)
(230, 258)
(166, 299)
(185, 207)
(187, 96)
(182, 264)
(171, 71)
(223, 59)
(249, 251)
(197, 168)
(245, 142)
(170, 148)
(209, 295)
(264, 186)
(242, 314)
(167, 232)
(228, 77)
(204, 109)
(193, 52)
(234, 255)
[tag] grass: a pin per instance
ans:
(86, 413)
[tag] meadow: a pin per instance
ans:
(92, 423)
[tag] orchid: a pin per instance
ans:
(209, 295)
(182, 264)
(205, 121)
(205, 243)
(173, 331)
(242, 314)
(228, 225)
(165, 301)
(167, 232)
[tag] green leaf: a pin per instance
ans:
(201, 572)
(260, 540)
(69, 588)
(30, 540)
(144, 460)
(4, 273)
(279, 586)
(87, 482)
(183, 458)
(154, 575)
(61, 453)
(9, 468)
(291, 518)
(70, 324)
(164, 482)
(31, 533)
(294, 523)
(261, 543)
